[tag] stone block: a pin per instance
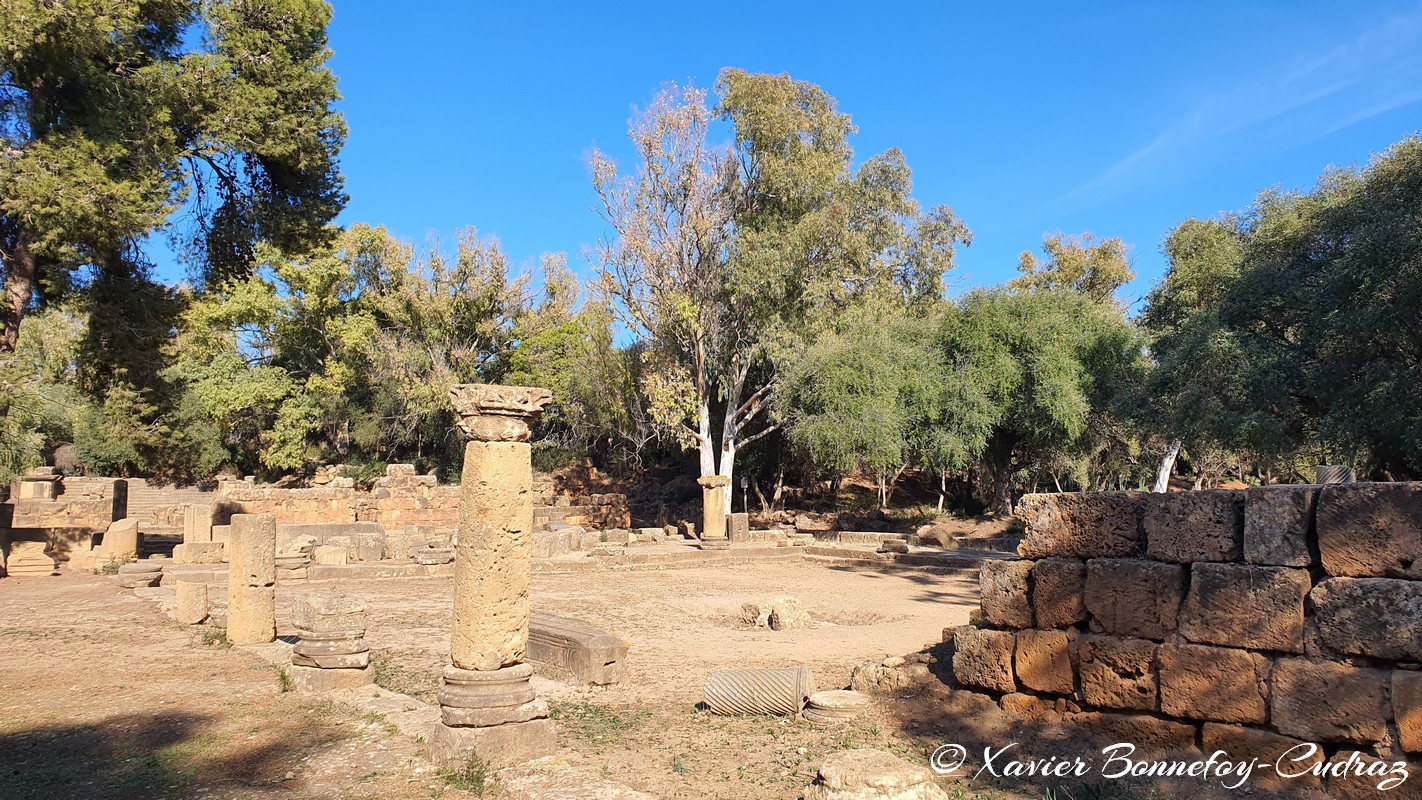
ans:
(1153, 737)
(1185, 527)
(618, 536)
(1213, 683)
(197, 523)
(1277, 521)
(251, 580)
(983, 658)
(1131, 597)
(738, 527)
(1295, 757)
(327, 611)
(1357, 775)
(1322, 701)
(1081, 525)
(1059, 592)
(121, 540)
(496, 746)
(1407, 709)
(862, 774)
(1237, 605)
(1003, 589)
(31, 558)
(329, 554)
(315, 679)
(1043, 662)
(1117, 673)
(1377, 617)
(1371, 530)
(591, 654)
(192, 602)
(198, 553)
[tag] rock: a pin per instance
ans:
(875, 678)
(809, 523)
(1327, 702)
(1377, 617)
(787, 613)
(1003, 588)
(872, 775)
(1059, 592)
(1276, 525)
(1407, 709)
(1186, 527)
(1238, 605)
(1043, 662)
(755, 615)
(1131, 597)
(1081, 525)
(1371, 530)
(1118, 673)
(1213, 683)
(983, 658)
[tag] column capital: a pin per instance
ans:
(491, 413)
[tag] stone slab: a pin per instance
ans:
(1240, 605)
(983, 658)
(1371, 530)
(1213, 683)
(591, 654)
(1377, 617)
(1277, 524)
(1118, 673)
(1134, 597)
(1059, 592)
(1321, 701)
(1003, 589)
(497, 746)
(313, 679)
(1081, 525)
(1186, 527)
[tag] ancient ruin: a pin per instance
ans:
(488, 706)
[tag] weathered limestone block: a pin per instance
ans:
(1130, 597)
(1213, 683)
(197, 523)
(497, 746)
(1277, 520)
(493, 560)
(192, 602)
(1037, 709)
(1371, 530)
(739, 527)
(1081, 525)
(865, 774)
(1059, 592)
(593, 655)
(1117, 673)
(251, 582)
(315, 679)
(1153, 737)
(1407, 709)
(1003, 586)
(326, 611)
(788, 613)
(983, 658)
(140, 574)
(329, 554)
(29, 558)
(198, 553)
(547, 544)
(1378, 617)
(1043, 662)
(1356, 775)
(121, 540)
(1321, 701)
(1244, 744)
(1245, 606)
(1185, 527)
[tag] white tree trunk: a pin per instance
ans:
(704, 443)
(1167, 465)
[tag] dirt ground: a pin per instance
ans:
(101, 696)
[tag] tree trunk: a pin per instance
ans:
(1002, 489)
(19, 288)
(942, 490)
(1167, 465)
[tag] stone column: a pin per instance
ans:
(713, 512)
(251, 580)
(330, 652)
(197, 523)
(487, 704)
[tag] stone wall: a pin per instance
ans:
(69, 514)
(1249, 621)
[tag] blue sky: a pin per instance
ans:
(1026, 119)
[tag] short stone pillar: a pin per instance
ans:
(487, 704)
(740, 527)
(30, 557)
(39, 483)
(251, 580)
(121, 541)
(330, 652)
(192, 602)
(713, 512)
(197, 523)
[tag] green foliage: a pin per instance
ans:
(1083, 264)
(1286, 333)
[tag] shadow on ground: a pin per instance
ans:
(146, 756)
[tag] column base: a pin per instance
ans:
(496, 747)
(714, 544)
(315, 679)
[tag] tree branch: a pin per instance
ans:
(766, 432)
